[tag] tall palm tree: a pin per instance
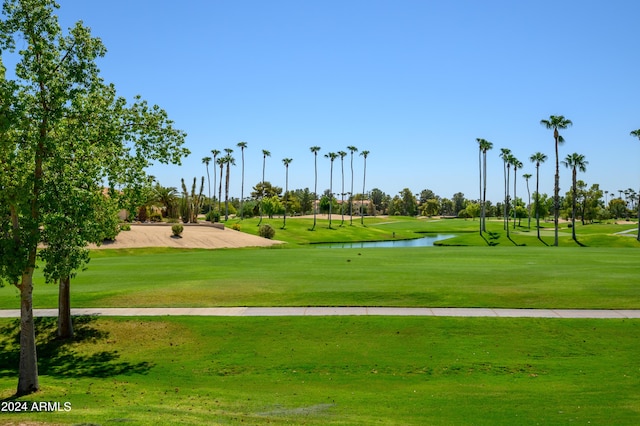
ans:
(228, 161)
(574, 162)
(206, 161)
(331, 156)
(242, 146)
(342, 154)
(364, 154)
(516, 165)
(538, 158)
(556, 122)
(505, 154)
(526, 177)
(315, 150)
(215, 154)
(484, 146)
(265, 154)
(286, 162)
(221, 163)
(636, 134)
(352, 149)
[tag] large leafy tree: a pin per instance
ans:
(315, 150)
(636, 134)
(484, 146)
(64, 133)
(556, 122)
(538, 158)
(574, 162)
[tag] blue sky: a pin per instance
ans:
(413, 82)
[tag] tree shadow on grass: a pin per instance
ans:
(61, 358)
(493, 238)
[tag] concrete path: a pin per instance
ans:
(338, 311)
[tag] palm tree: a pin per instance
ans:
(556, 122)
(315, 150)
(352, 149)
(228, 160)
(505, 154)
(206, 161)
(516, 165)
(575, 162)
(342, 154)
(331, 156)
(265, 154)
(526, 177)
(484, 146)
(538, 158)
(215, 154)
(242, 146)
(221, 163)
(636, 134)
(286, 162)
(364, 154)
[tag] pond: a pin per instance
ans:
(418, 242)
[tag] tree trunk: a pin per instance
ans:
(28, 376)
(556, 191)
(65, 325)
(573, 207)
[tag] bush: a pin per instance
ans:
(213, 216)
(143, 215)
(177, 230)
(267, 231)
(235, 226)
(125, 227)
(155, 217)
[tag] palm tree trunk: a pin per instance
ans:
(480, 183)
(364, 178)
(538, 198)
(484, 192)
(226, 194)
(573, 206)
(556, 193)
(242, 189)
(315, 190)
(220, 191)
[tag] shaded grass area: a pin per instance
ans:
(346, 370)
(499, 277)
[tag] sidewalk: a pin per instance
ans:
(337, 311)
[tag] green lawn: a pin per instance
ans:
(347, 370)
(337, 370)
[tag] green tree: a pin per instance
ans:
(505, 154)
(315, 150)
(342, 154)
(538, 158)
(556, 122)
(484, 146)
(167, 197)
(265, 154)
(351, 149)
(331, 156)
(636, 134)
(286, 162)
(575, 162)
(214, 161)
(526, 177)
(242, 146)
(228, 161)
(206, 161)
(64, 133)
(364, 154)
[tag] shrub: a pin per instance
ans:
(235, 226)
(143, 215)
(125, 227)
(155, 217)
(177, 230)
(213, 216)
(267, 231)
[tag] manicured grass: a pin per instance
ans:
(499, 277)
(336, 370)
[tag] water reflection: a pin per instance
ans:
(418, 242)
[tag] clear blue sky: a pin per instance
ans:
(415, 82)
